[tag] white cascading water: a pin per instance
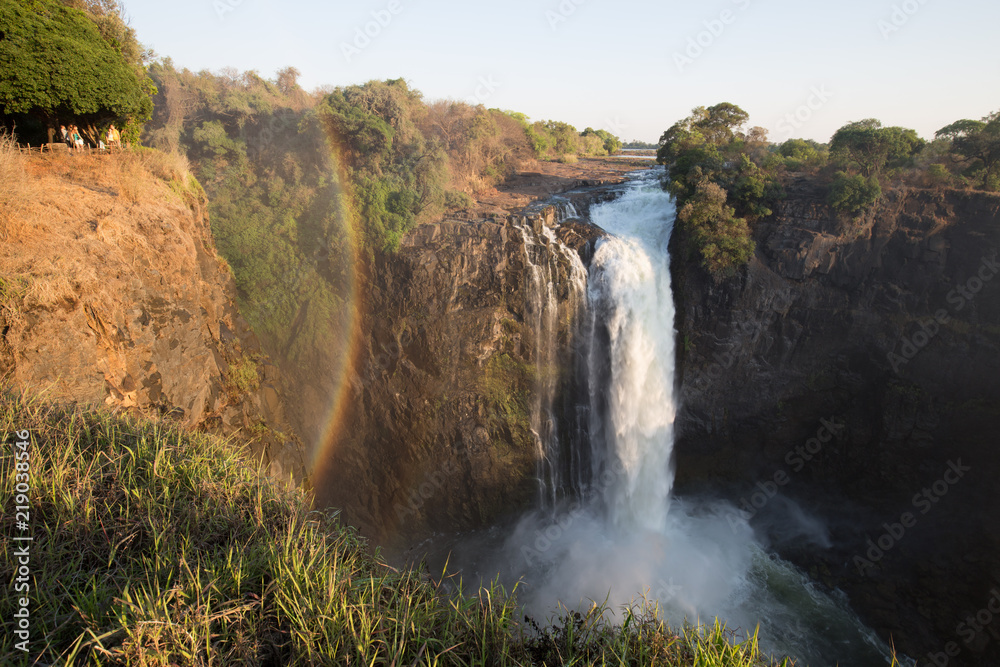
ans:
(623, 539)
(630, 299)
(542, 312)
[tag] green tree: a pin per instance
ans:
(56, 65)
(716, 125)
(870, 148)
(723, 178)
(800, 154)
(399, 177)
(610, 143)
(976, 143)
(720, 239)
(853, 193)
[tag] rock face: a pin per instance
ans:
(439, 435)
(113, 294)
(845, 391)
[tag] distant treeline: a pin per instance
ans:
(293, 176)
(726, 177)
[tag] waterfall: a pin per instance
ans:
(609, 529)
(633, 313)
(545, 313)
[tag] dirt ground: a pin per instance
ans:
(537, 180)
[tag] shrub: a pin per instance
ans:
(714, 233)
(937, 175)
(852, 194)
(456, 199)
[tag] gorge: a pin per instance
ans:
(768, 333)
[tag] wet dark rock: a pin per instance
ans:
(835, 320)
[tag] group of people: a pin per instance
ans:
(74, 139)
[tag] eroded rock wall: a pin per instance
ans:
(114, 295)
(439, 431)
(850, 369)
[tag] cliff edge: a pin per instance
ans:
(111, 293)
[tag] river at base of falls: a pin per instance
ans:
(620, 537)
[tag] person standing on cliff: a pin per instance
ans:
(114, 138)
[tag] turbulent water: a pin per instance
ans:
(608, 527)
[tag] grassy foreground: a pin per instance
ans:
(156, 547)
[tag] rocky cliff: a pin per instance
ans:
(844, 390)
(111, 293)
(440, 434)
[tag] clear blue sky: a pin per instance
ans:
(623, 65)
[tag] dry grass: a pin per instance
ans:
(83, 226)
(13, 187)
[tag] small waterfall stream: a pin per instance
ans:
(546, 255)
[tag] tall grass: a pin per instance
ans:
(156, 547)
(13, 185)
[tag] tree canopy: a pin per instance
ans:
(976, 142)
(55, 66)
(723, 178)
(868, 147)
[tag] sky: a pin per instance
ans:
(633, 67)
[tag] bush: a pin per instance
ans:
(714, 233)
(938, 176)
(456, 199)
(852, 194)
